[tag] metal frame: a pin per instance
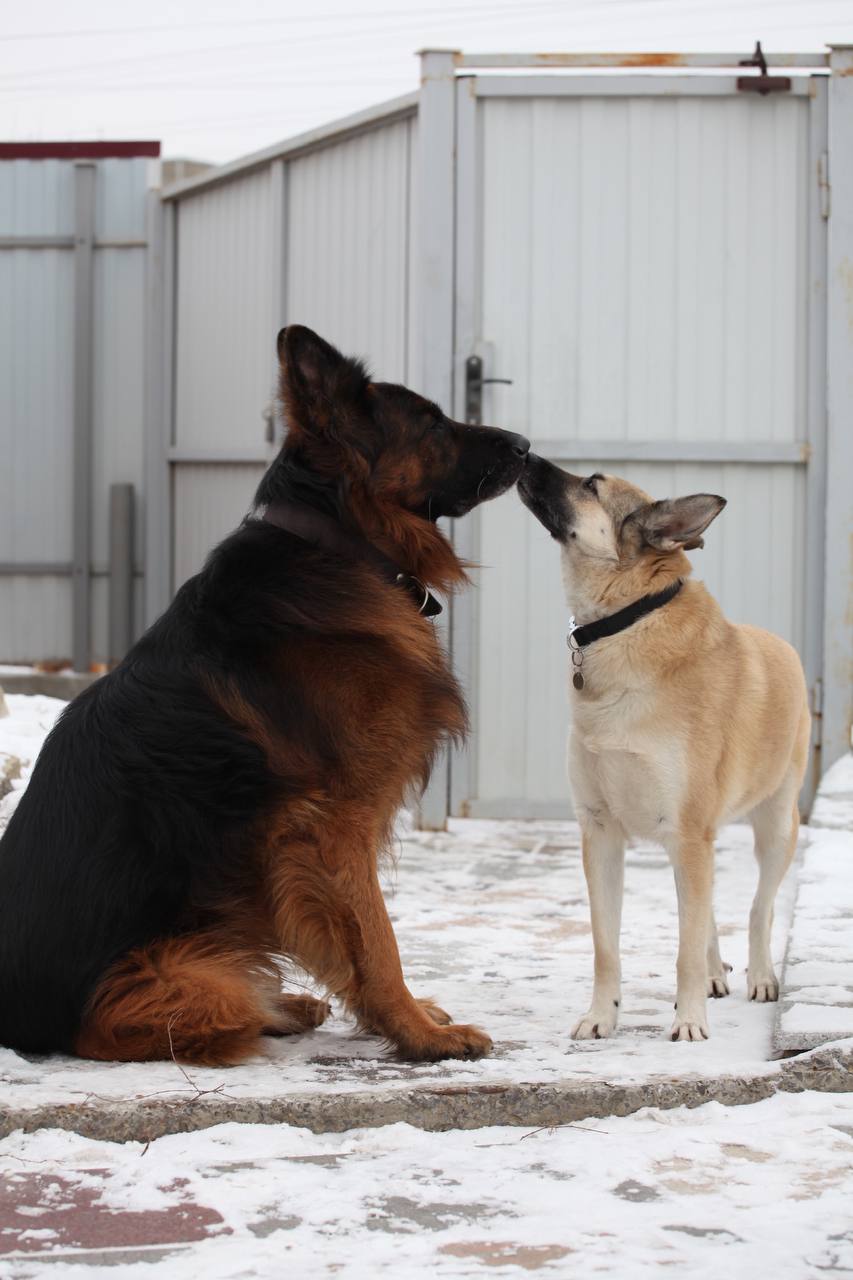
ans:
(337, 131)
(156, 504)
(84, 316)
(815, 526)
(621, 61)
(437, 227)
(809, 453)
(621, 86)
(838, 636)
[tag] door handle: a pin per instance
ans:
(474, 383)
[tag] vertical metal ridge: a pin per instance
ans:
(84, 234)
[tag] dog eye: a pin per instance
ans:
(591, 483)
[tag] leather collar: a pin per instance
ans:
(324, 531)
(579, 637)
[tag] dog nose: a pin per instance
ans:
(519, 444)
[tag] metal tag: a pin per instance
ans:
(577, 680)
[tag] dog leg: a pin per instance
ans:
(693, 862)
(718, 984)
(604, 868)
(776, 823)
(335, 925)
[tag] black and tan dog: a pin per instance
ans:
(681, 721)
(224, 796)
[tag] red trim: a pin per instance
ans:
(76, 150)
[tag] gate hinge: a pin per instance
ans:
(762, 83)
(823, 182)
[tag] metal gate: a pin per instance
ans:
(643, 258)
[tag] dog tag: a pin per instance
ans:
(577, 680)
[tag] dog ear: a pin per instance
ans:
(677, 524)
(315, 378)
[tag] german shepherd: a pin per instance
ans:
(681, 721)
(223, 797)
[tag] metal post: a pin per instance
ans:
(279, 172)
(816, 432)
(121, 571)
(838, 629)
(159, 307)
(437, 143)
(84, 235)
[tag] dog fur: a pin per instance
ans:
(685, 721)
(222, 799)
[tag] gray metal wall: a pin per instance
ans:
(320, 237)
(40, 332)
(624, 244)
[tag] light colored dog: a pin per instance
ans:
(681, 721)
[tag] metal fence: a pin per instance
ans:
(658, 259)
(74, 265)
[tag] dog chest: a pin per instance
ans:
(637, 778)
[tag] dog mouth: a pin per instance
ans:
(542, 489)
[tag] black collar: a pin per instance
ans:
(324, 531)
(580, 637)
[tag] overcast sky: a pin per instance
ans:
(213, 79)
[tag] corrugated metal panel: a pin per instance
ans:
(643, 278)
(210, 501)
(752, 563)
(36, 198)
(348, 245)
(36, 388)
(225, 324)
(644, 265)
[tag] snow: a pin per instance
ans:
(492, 921)
(754, 1191)
(817, 989)
(22, 733)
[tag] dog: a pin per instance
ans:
(223, 797)
(681, 721)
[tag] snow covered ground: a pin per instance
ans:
(492, 921)
(764, 1190)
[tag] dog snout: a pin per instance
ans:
(519, 445)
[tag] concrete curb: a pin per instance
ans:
(826, 1070)
(50, 684)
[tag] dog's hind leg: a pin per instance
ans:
(604, 868)
(191, 998)
(776, 823)
(718, 970)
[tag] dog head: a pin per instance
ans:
(390, 461)
(617, 543)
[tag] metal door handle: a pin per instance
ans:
(474, 383)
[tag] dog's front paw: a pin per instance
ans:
(689, 1027)
(596, 1025)
(453, 1041)
(762, 987)
(718, 984)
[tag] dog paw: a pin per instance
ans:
(718, 986)
(437, 1014)
(689, 1029)
(295, 1014)
(446, 1042)
(595, 1026)
(763, 989)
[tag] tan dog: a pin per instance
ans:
(681, 721)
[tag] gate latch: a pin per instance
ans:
(762, 83)
(474, 383)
